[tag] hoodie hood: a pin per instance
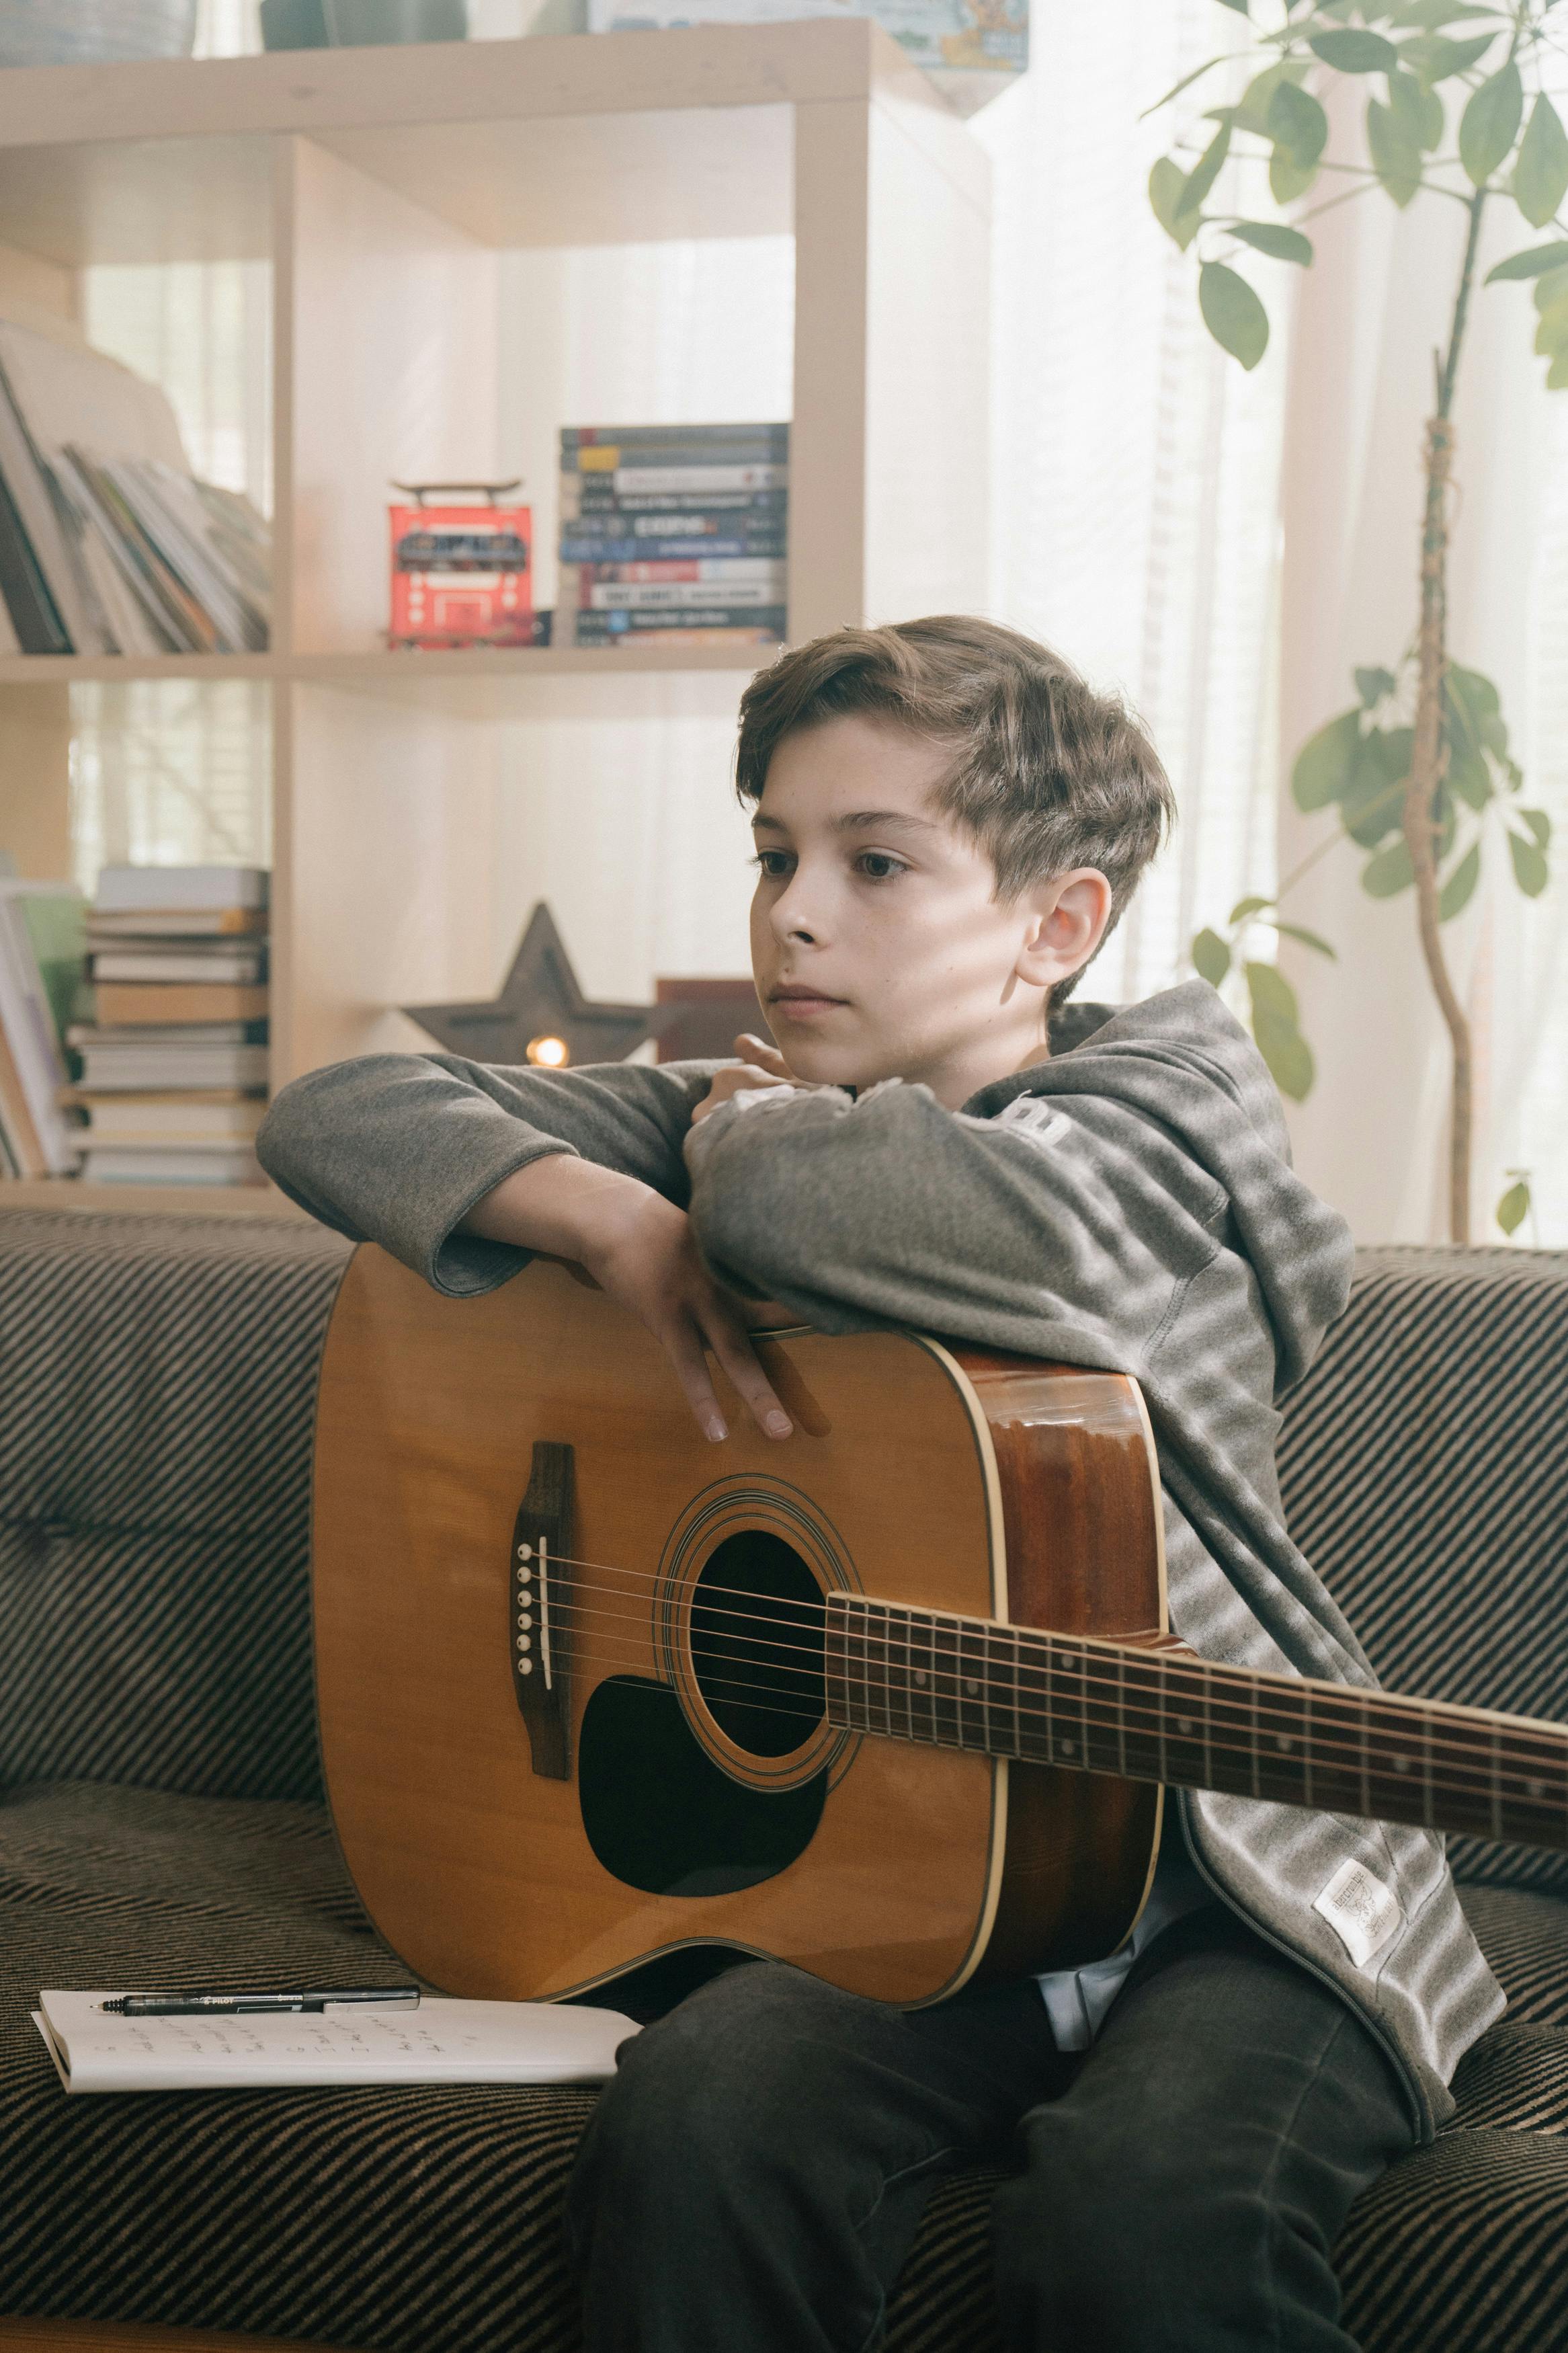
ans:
(1182, 1059)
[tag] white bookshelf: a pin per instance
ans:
(384, 186)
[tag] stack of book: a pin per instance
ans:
(673, 534)
(175, 1065)
(43, 966)
(108, 542)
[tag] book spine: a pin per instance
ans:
(764, 623)
(588, 436)
(34, 614)
(632, 481)
(579, 547)
(678, 596)
(155, 1003)
(586, 494)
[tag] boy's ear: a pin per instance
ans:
(1068, 916)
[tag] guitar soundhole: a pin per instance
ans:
(662, 1817)
(758, 1641)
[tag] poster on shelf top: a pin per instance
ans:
(971, 48)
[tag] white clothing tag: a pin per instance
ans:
(1361, 1911)
(1039, 1120)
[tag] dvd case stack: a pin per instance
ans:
(673, 534)
(175, 1066)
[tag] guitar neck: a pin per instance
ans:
(1147, 1711)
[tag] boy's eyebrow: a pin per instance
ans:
(856, 821)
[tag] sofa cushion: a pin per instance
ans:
(426, 2220)
(157, 1392)
(1423, 1464)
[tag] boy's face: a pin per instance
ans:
(878, 946)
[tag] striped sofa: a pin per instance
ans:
(161, 1811)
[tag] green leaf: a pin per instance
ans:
(1313, 940)
(1457, 890)
(1232, 313)
(1532, 263)
(1468, 775)
(1276, 1027)
(1541, 174)
(1431, 15)
(1167, 184)
(1287, 178)
(1540, 825)
(1211, 956)
(1251, 110)
(1552, 327)
(1514, 1207)
(1372, 685)
(1436, 59)
(1271, 237)
(1245, 909)
(1374, 799)
(1207, 170)
(1239, 5)
(1394, 151)
(1490, 123)
(1384, 875)
(1557, 374)
(1187, 82)
(1550, 288)
(1298, 122)
(1530, 868)
(1473, 708)
(1418, 112)
(1324, 763)
(1353, 52)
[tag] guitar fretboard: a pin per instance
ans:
(1149, 1713)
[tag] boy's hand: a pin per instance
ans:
(761, 1065)
(637, 1247)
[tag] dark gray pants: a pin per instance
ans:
(752, 2179)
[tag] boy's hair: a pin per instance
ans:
(1047, 774)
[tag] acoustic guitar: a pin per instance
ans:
(893, 1700)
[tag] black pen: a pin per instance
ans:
(233, 2005)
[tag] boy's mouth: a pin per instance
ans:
(796, 1003)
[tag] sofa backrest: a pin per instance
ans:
(157, 1385)
(1424, 1467)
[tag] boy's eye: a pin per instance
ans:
(773, 862)
(878, 866)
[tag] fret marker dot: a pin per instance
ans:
(1401, 1764)
(1536, 1789)
(971, 1686)
(1184, 1723)
(1281, 1740)
(1066, 1747)
(919, 1674)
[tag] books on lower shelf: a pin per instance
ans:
(43, 964)
(108, 542)
(174, 1066)
(673, 534)
(441, 2042)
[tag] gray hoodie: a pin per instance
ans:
(1128, 1204)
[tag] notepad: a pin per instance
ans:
(442, 2042)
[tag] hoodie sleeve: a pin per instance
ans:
(398, 1148)
(1070, 1223)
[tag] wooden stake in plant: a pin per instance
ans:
(1421, 795)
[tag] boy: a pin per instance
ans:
(948, 822)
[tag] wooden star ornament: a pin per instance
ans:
(541, 1015)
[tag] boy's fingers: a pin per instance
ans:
(752, 1048)
(683, 1346)
(726, 1338)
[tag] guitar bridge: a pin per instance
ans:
(538, 1629)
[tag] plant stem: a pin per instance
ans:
(1428, 760)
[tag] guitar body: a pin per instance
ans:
(675, 1781)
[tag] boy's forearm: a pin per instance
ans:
(562, 1205)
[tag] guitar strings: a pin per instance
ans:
(1326, 1698)
(1111, 1681)
(1363, 1771)
(1129, 1706)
